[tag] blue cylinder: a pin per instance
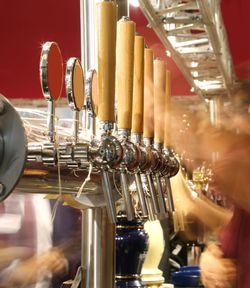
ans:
(131, 249)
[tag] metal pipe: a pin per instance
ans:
(88, 30)
(141, 195)
(76, 126)
(87, 242)
(123, 8)
(169, 195)
(108, 195)
(163, 208)
(153, 194)
(98, 254)
(51, 121)
(126, 196)
(97, 261)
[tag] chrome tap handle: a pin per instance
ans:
(171, 204)
(107, 190)
(156, 208)
(141, 195)
(169, 195)
(76, 126)
(126, 196)
(162, 203)
(51, 121)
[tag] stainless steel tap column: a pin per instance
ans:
(98, 247)
(98, 233)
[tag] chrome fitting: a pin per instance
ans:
(148, 141)
(136, 138)
(106, 126)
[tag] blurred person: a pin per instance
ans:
(67, 236)
(226, 265)
(26, 230)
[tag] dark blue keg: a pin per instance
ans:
(131, 249)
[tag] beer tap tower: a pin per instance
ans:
(79, 169)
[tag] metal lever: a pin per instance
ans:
(162, 203)
(141, 195)
(130, 163)
(76, 125)
(156, 208)
(107, 191)
(169, 195)
(171, 203)
(51, 121)
(126, 195)
(106, 154)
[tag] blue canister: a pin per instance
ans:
(131, 249)
(188, 276)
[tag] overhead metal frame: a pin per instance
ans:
(193, 33)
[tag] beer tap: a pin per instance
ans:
(74, 154)
(107, 153)
(159, 104)
(74, 81)
(51, 78)
(173, 166)
(148, 125)
(137, 122)
(124, 86)
(91, 100)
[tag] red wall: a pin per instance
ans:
(237, 22)
(25, 25)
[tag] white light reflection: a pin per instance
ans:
(168, 53)
(208, 84)
(134, 3)
(194, 64)
(195, 74)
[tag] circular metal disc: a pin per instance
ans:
(75, 84)
(91, 92)
(51, 71)
(13, 148)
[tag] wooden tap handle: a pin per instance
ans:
(106, 34)
(125, 67)
(167, 118)
(159, 99)
(148, 109)
(137, 111)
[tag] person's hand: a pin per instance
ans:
(37, 268)
(53, 261)
(9, 254)
(216, 271)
